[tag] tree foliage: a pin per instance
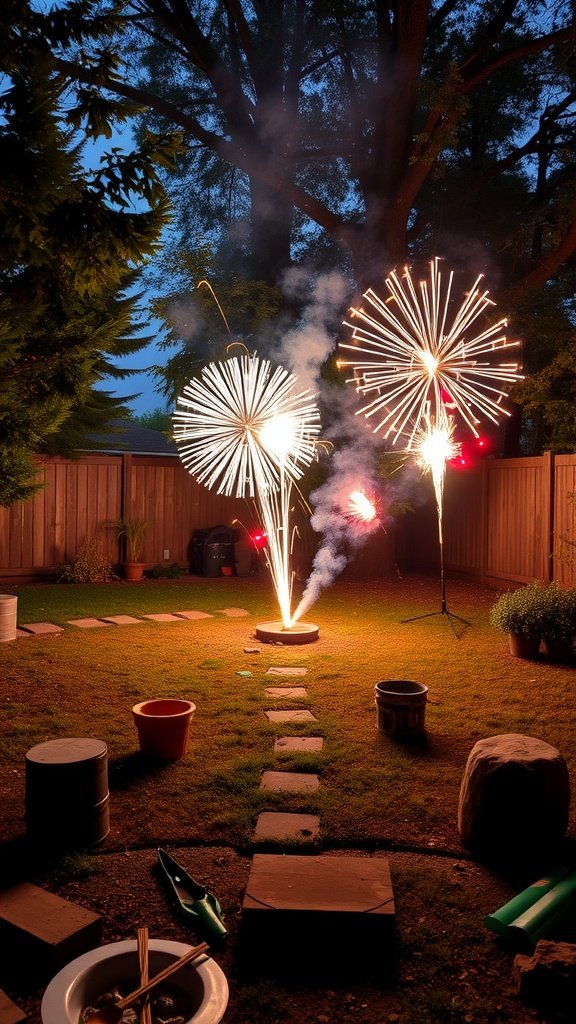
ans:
(354, 131)
(71, 246)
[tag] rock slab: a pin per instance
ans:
(548, 977)
(514, 796)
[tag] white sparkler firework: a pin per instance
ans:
(243, 427)
(435, 446)
(412, 348)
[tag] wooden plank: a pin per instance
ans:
(10, 1013)
(53, 928)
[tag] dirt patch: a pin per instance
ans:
(441, 965)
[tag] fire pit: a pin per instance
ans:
(202, 985)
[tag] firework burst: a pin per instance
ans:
(417, 350)
(245, 428)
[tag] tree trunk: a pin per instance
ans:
(270, 224)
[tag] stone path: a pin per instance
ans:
(280, 827)
(45, 628)
(284, 881)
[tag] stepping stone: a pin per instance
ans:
(290, 782)
(121, 620)
(163, 617)
(292, 715)
(87, 623)
(20, 633)
(193, 615)
(232, 613)
(282, 827)
(286, 671)
(320, 896)
(298, 743)
(286, 691)
(40, 628)
(316, 916)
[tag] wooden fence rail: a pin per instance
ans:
(504, 520)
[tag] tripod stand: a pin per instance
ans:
(443, 606)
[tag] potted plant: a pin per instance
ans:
(559, 626)
(134, 531)
(522, 614)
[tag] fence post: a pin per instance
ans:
(483, 521)
(550, 478)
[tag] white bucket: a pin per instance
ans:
(8, 608)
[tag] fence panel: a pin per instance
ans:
(505, 521)
(564, 526)
(518, 523)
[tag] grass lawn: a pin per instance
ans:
(374, 791)
(376, 794)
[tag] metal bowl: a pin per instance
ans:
(79, 983)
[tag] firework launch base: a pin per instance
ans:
(277, 633)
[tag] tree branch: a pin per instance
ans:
(546, 268)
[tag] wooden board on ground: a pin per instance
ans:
(9, 1012)
(53, 930)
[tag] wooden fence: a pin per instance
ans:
(84, 499)
(504, 520)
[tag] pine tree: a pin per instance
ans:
(71, 248)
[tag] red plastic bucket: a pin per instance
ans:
(163, 727)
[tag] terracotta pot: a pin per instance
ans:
(163, 727)
(133, 571)
(523, 645)
(8, 612)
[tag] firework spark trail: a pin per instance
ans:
(243, 427)
(361, 508)
(332, 519)
(415, 353)
(435, 446)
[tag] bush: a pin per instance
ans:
(560, 618)
(89, 566)
(521, 611)
(536, 610)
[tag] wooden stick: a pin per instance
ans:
(143, 946)
(192, 954)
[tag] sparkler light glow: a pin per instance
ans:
(361, 508)
(244, 427)
(435, 446)
(415, 353)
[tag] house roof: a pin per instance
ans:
(127, 436)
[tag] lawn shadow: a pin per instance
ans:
(125, 772)
(305, 949)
